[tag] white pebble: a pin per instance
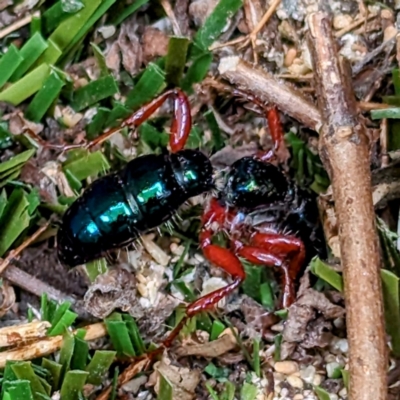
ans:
(333, 396)
(286, 367)
(317, 380)
(308, 373)
(343, 393)
(298, 396)
(277, 389)
(284, 392)
(295, 382)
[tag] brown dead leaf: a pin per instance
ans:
(199, 10)
(216, 348)
(183, 380)
(155, 44)
(114, 289)
(7, 297)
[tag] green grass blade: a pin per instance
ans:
(176, 59)
(73, 384)
(54, 369)
(99, 366)
(24, 371)
(44, 98)
(67, 30)
(96, 268)
(94, 17)
(127, 11)
(166, 391)
(321, 393)
(81, 353)
(134, 334)
(9, 63)
(93, 92)
(248, 392)
(390, 286)
(216, 22)
(66, 321)
(66, 352)
(151, 83)
(96, 126)
(391, 113)
(119, 336)
(18, 390)
(17, 160)
(30, 52)
(14, 221)
(26, 87)
(326, 273)
(51, 55)
(101, 60)
(91, 164)
(217, 328)
(197, 71)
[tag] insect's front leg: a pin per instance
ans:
(276, 250)
(217, 255)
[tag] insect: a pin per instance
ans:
(270, 221)
(115, 209)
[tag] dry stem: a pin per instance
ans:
(344, 150)
(17, 334)
(48, 346)
(268, 89)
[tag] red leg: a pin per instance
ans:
(221, 257)
(180, 128)
(285, 252)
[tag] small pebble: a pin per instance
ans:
(332, 370)
(317, 380)
(286, 367)
(298, 396)
(333, 396)
(284, 392)
(308, 373)
(290, 56)
(343, 392)
(295, 382)
(389, 33)
(277, 389)
(342, 21)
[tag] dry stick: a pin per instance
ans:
(345, 152)
(25, 281)
(268, 89)
(48, 346)
(17, 334)
(18, 24)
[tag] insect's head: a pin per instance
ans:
(193, 171)
(251, 183)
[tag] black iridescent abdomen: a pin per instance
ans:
(114, 210)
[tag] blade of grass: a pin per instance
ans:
(17, 160)
(18, 390)
(36, 25)
(321, 393)
(88, 165)
(89, 23)
(134, 334)
(96, 268)
(99, 366)
(217, 139)
(248, 392)
(95, 127)
(14, 221)
(325, 272)
(54, 369)
(24, 371)
(10, 61)
(51, 55)
(217, 328)
(66, 352)
(73, 384)
(119, 336)
(127, 11)
(30, 52)
(166, 390)
(66, 321)
(396, 81)
(101, 60)
(391, 113)
(151, 83)
(94, 92)
(196, 71)
(176, 59)
(44, 98)
(216, 22)
(391, 299)
(68, 30)
(25, 87)
(53, 16)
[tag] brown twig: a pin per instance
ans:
(25, 281)
(345, 152)
(17, 25)
(354, 25)
(48, 346)
(268, 89)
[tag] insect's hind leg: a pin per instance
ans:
(180, 127)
